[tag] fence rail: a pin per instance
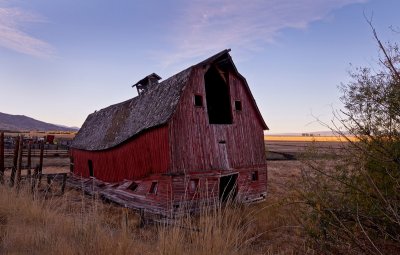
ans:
(36, 153)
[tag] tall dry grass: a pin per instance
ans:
(61, 226)
(78, 224)
(216, 230)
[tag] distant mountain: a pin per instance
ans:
(23, 123)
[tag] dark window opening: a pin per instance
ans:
(217, 98)
(153, 188)
(238, 105)
(90, 165)
(133, 186)
(254, 176)
(198, 100)
(228, 188)
(193, 184)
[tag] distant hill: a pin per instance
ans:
(23, 123)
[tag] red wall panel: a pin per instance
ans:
(197, 145)
(145, 154)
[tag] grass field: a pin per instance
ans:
(78, 224)
(308, 138)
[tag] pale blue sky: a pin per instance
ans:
(61, 60)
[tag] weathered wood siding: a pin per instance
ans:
(248, 189)
(197, 145)
(146, 154)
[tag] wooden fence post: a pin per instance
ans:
(35, 177)
(41, 162)
(29, 159)
(2, 157)
(19, 164)
(15, 162)
(64, 180)
(48, 187)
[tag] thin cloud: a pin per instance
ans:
(208, 26)
(12, 37)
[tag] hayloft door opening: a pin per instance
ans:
(90, 166)
(217, 97)
(228, 187)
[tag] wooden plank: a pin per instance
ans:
(15, 161)
(35, 178)
(36, 153)
(40, 167)
(19, 164)
(64, 181)
(29, 159)
(41, 156)
(2, 157)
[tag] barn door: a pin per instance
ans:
(228, 187)
(223, 155)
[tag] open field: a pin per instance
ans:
(278, 150)
(270, 138)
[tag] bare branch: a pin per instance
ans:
(383, 49)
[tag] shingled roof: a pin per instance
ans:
(117, 123)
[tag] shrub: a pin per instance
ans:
(354, 205)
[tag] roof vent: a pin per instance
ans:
(147, 82)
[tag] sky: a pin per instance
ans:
(62, 60)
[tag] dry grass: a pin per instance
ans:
(77, 224)
(63, 225)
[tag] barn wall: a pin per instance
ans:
(144, 155)
(197, 145)
(250, 190)
(158, 202)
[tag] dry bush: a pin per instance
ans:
(354, 203)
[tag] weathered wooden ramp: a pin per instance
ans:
(119, 193)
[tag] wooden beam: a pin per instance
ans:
(41, 163)
(41, 156)
(2, 157)
(64, 180)
(34, 179)
(49, 181)
(29, 159)
(15, 162)
(19, 163)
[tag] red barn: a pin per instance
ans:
(196, 136)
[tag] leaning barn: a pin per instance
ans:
(197, 136)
